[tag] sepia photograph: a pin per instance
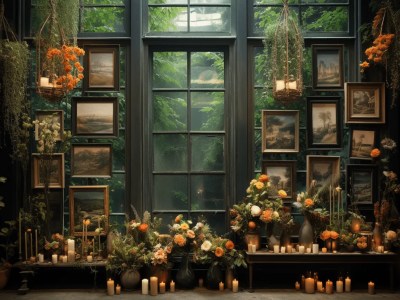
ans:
(362, 142)
(88, 203)
(91, 160)
(327, 66)
(280, 131)
(52, 165)
(51, 117)
(282, 176)
(361, 184)
(322, 170)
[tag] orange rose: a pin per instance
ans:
(334, 235)
(219, 252)
(364, 64)
(375, 153)
(143, 227)
(180, 240)
(190, 234)
(325, 235)
(282, 194)
(178, 218)
(259, 185)
(266, 215)
(229, 245)
(251, 225)
(308, 202)
(263, 178)
(184, 226)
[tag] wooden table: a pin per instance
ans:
(355, 258)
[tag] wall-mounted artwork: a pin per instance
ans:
(280, 131)
(95, 117)
(51, 166)
(52, 117)
(361, 184)
(323, 171)
(327, 67)
(362, 142)
(91, 160)
(101, 68)
(282, 176)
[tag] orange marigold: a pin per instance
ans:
(263, 178)
(229, 245)
(308, 202)
(219, 252)
(334, 235)
(375, 153)
(143, 227)
(266, 215)
(180, 240)
(184, 226)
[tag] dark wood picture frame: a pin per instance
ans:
(362, 141)
(324, 124)
(327, 66)
(57, 175)
(280, 131)
(101, 64)
(361, 184)
(364, 102)
(88, 202)
(324, 169)
(91, 160)
(57, 116)
(95, 117)
(282, 175)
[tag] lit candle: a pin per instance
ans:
(153, 286)
(110, 287)
(41, 258)
(297, 286)
(276, 248)
(145, 286)
(301, 249)
(329, 287)
(162, 287)
(71, 245)
(289, 249)
(89, 258)
(319, 286)
(221, 286)
(308, 250)
(279, 85)
(44, 81)
(249, 248)
(71, 256)
(339, 286)
(36, 244)
(315, 248)
(283, 249)
(324, 250)
(380, 249)
(26, 246)
(118, 290)
(201, 282)
(371, 288)
(54, 258)
(172, 286)
(64, 259)
(253, 248)
(235, 286)
(347, 284)
(310, 285)
(292, 85)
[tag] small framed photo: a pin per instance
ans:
(52, 117)
(88, 203)
(361, 184)
(280, 131)
(323, 171)
(282, 176)
(91, 160)
(324, 122)
(362, 142)
(95, 117)
(327, 62)
(53, 166)
(364, 102)
(101, 68)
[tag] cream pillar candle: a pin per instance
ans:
(339, 286)
(145, 286)
(172, 286)
(301, 249)
(315, 248)
(153, 286)
(71, 256)
(54, 258)
(324, 250)
(283, 249)
(253, 248)
(308, 250)
(279, 85)
(89, 258)
(249, 248)
(297, 286)
(162, 287)
(221, 286)
(309, 285)
(371, 288)
(347, 284)
(329, 287)
(41, 257)
(71, 245)
(235, 286)
(289, 248)
(64, 259)
(276, 248)
(118, 290)
(319, 286)
(110, 287)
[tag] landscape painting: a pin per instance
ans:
(280, 131)
(281, 176)
(91, 160)
(327, 66)
(361, 184)
(362, 142)
(322, 171)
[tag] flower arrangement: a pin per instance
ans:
(56, 245)
(329, 234)
(258, 208)
(362, 243)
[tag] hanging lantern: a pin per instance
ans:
(355, 225)
(287, 58)
(57, 60)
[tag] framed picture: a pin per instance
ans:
(101, 68)
(362, 142)
(323, 171)
(52, 165)
(361, 184)
(327, 62)
(280, 131)
(52, 117)
(88, 202)
(282, 176)
(95, 117)
(324, 122)
(91, 160)
(364, 102)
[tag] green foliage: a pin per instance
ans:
(323, 20)
(7, 231)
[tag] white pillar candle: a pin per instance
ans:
(292, 85)
(347, 284)
(172, 286)
(339, 286)
(310, 285)
(89, 258)
(162, 287)
(153, 286)
(235, 286)
(54, 258)
(221, 286)
(71, 256)
(145, 286)
(283, 249)
(308, 250)
(371, 288)
(329, 287)
(301, 249)
(64, 259)
(315, 248)
(44, 81)
(289, 249)
(249, 248)
(253, 248)
(41, 257)
(276, 248)
(71, 245)
(319, 286)
(380, 249)
(110, 287)
(118, 290)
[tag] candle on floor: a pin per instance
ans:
(201, 282)
(315, 248)
(347, 284)
(235, 286)
(64, 259)
(172, 286)
(371, 288)
(289, 249)
(301, 249)
(221, 286)
(54, 258)
(145, 286)
(319, 286)
(162, 287)
(41, 257)
(324, 250)
(297, 286)
(329, 287)
(153, 286)
(118, 290)
(276, 248)
(339, 286)
(283, 249)
(310, 285)
(110, 287)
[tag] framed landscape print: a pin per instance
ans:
(364, 102)
(101, 68)
(361, 185)
(91, 160)
(362, 142)
(327, 63)
(324, 122)
(282, 176)
(52, 117)
(88, 203)
(95, 117)
(280, 131)
(323, 171)
(52, 165)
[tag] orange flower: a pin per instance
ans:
(325, 235)
(266, 215)
(308, 202)
(229, 245)
(190, 234)
(375, 153)
(184, 226)
(251, 225)
(334, 235)
(282, 194)
(80, 76)
(219, 252)
(377, 59)
(259, 185)
(180, 240)
(87, 222)
(178, 218)
(364, 64)
(143, 227)
(263, 178)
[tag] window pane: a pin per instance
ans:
(210, 1)
(117, 193)
(261, 101)
(261, 63)
(215, 220)
(168, 19)
(207, 111)
(167, 219)
(170, 111)
(168, 1)
(257, 150)
(214, 19)
(170, 70)
(274, 2)
(118, 152)
(170, 192)
(207, 192)
(170, 152)
(103, 19)
(324, 1)
(325, 19)
(207, 70)
(265, 17)
(107, 2)
(207, 153)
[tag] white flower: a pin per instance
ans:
(248, 191)
(176, 227)
(134, 225)
(200, 225)
(268, 184)
(275, 215)
(298, 198)
(206, 246)
(253, 182)
(255, 211)
(235, 228)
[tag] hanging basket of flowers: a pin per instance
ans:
(58, 67)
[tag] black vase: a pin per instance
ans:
(306, 233)
(185, 278)
(214, 276)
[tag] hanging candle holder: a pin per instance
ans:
(57, 60)
(287, 58)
